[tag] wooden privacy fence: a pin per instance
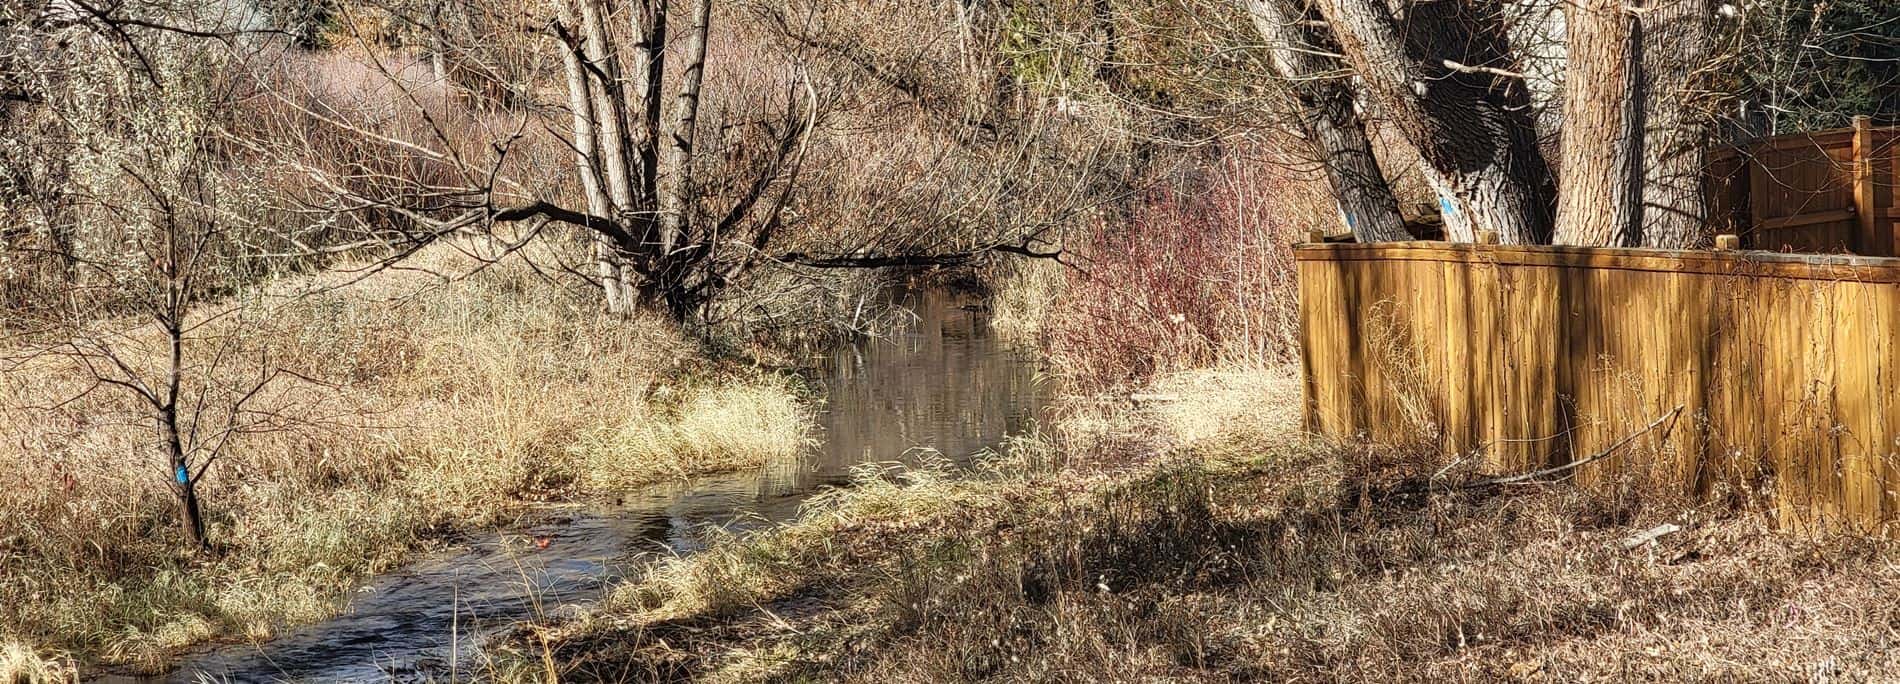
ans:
(1785, 365)
(1823, 191)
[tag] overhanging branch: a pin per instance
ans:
(599, 224)
(915, 260)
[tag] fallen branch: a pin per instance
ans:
(1420, 487)
(1669, 417)
(1650, 535)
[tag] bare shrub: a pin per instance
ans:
(1201, 274)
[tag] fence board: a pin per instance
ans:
(1785, 364)
(1824, 191)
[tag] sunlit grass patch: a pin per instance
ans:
(22, 664)
(738, 570)
(1243, 552)
(1229, 405)
(721, 428)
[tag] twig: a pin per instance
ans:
(1598, 456)
(1470, 69)
(1422, 487)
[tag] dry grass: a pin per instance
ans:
(718, 428)
(444, 407)
(1247, 554)
(1025, 293)
(20, 664)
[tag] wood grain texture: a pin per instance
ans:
(1785, 365)
(1824, 191)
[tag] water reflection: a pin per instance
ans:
(943, 387)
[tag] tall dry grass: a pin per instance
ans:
(433, 407)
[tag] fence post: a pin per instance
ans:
(1728, 242)
(1316, 236)
(1864, 211)
(1487, 237)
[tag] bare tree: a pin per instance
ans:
(159, 237)
(677, 214)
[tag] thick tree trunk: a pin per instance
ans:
(1367, 207)
(1674, 44)
(679, 133)
(1443, 77)
(1599, 201)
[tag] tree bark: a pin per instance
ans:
(183, 482)
(1441, 75)
(609, 113)
(1367, 207)
(190, 515)
(679, 134)
(580, 101)
(649, 76)
(1599, 201)
(1674, 42)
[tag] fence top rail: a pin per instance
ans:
(1743, 263)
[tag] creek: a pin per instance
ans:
(944, 387)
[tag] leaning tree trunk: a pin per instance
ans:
(1675, 45)
(609, 111)
(1599, 198)
(1443, 77)
(1366, 204)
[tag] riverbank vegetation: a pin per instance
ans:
(290, 292)
(435, 408)
(1239, 551)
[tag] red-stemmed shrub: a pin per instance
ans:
(1200, 273)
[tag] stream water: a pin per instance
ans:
(944, 386)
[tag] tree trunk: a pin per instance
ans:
(1367, 207)
(580, 101)
(1674, 44)
(183, 481)
(190, 517)
(1442, 77)
(679, 134)
(649, 75)
(608, 111)
(1599, 201)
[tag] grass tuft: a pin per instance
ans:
(21, 664)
